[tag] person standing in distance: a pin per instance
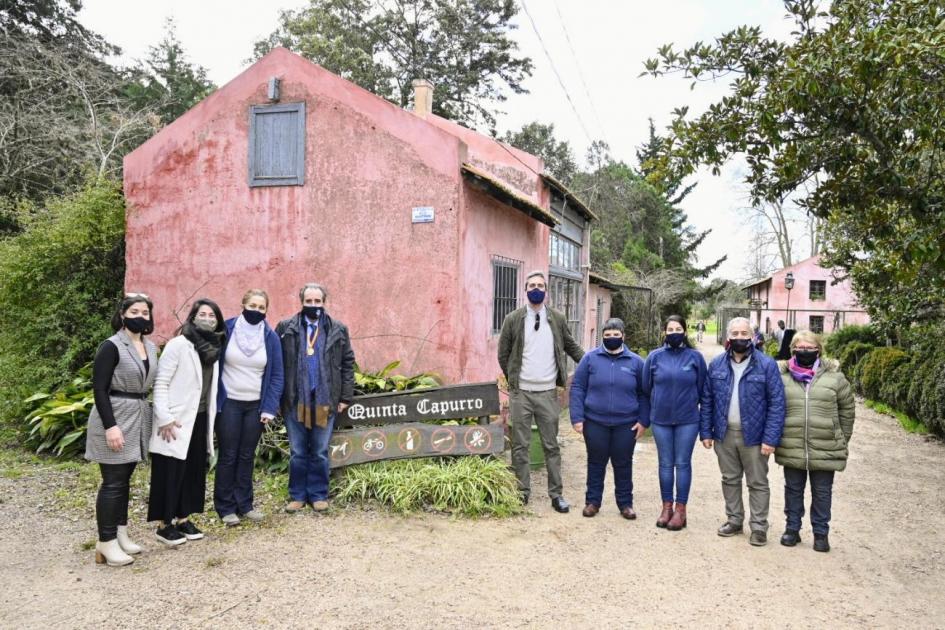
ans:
(533, 346)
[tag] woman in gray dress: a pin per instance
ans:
(120, 422)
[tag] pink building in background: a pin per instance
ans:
(814, 303)
(421, 230)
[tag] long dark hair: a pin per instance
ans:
(679, 319)
(132, 298)
(193, 313)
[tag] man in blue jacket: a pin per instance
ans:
(742, 415)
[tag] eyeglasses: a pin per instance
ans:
(537, 320)
(135, 295)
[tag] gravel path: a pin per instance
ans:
(361, 569)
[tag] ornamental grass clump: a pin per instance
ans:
(468, 486)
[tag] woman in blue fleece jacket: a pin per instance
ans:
(609, 407)
(673, 376)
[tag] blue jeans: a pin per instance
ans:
(616, 444)
(238, 431)
(821, 491)
(674, 444)
(308, 459)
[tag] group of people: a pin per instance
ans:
(227, 378)
(744, 405)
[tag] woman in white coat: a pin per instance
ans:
(185, 392)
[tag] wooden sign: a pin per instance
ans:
(477, 400)
(401, 441)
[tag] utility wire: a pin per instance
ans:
(577, 63)
(555, 70)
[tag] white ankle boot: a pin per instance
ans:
(110, 553)
(126, 543)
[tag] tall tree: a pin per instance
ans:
(168, 81)
(539, 139)
(854, 107)
(463, 47)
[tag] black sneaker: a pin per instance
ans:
(189, 530)
(170, 536)
(821, 543)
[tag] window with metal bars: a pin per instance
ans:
(505, 289)
(818, 289)
(816, 324)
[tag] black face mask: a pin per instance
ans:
(612, 343)
(806, 358)
(740, 345)
(313, 313)
(138, 325)
(253, 317)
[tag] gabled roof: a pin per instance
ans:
(499, 191)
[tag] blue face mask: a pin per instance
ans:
(613, 343)
(253, 317)
(536, 296)
(675, 339)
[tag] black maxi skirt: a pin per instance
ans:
(179, 486)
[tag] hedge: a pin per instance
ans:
(835, 342)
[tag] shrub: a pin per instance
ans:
(876, 369)
(772, 347)
(894, 390)
(59, 281)
(471, 486)
(851, 356)
(59, 421)
(836, 341)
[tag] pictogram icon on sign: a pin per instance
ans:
(443, 440)
(477, 439)
(374, 444)
(409, 440)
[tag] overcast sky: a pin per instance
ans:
(610, 39)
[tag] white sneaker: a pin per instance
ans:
(126, 544)
(230, 520)
(254, 515)
(110, 553)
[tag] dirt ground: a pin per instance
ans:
(362, 569)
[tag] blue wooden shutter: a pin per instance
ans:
(277, 145)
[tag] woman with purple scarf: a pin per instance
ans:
(251, 380)
(818, 425)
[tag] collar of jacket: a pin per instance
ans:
(295, 324)
(602, 350)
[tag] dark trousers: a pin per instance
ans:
(238, 431)
(821, 490)
(615, 444)
(179, 486)
(309, 465)
(111, 505)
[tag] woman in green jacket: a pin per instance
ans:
(817, 428)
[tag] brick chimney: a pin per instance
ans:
(422, 97)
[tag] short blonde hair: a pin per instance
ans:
(259, 292)
(809, 337)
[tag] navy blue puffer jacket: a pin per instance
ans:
(760, 400)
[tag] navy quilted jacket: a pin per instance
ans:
(760, 399)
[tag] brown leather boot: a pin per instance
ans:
(679, 518)
(666, 514)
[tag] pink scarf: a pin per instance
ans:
(802, 374)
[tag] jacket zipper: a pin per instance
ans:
(807, 425)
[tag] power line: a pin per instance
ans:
(577, 63)
(555, 70)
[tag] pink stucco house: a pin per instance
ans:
(814, 303)
(421, 229)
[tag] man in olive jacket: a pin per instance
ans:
(532, 348)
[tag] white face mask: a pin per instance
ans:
(206, 324)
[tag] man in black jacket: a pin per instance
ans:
(319, 382)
